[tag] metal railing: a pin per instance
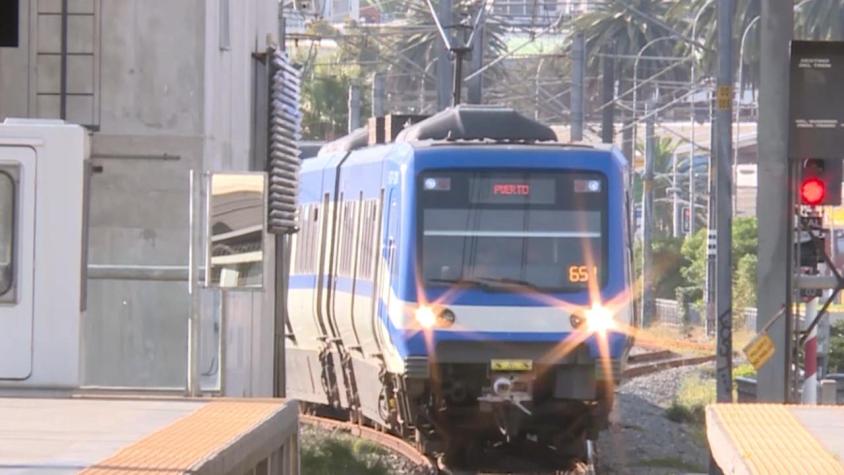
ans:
(668, 312)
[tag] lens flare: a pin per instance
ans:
(426, 317)
(599, 319)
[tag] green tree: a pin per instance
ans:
(663, 206)
(324, 105)
(820, 20)
(836, 347)
(694, 251)
(669, 263)
(744, 283)
(682, 15)
(623, 27)
(418, 44)
(744, 244)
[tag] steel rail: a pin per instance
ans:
(660, 361)
(384, 439)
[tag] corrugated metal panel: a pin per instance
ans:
(285, 133)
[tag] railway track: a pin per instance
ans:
(659, 360)
(505, 462)
(383, 439)
(638, 365)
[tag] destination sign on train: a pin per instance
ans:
(515, 190)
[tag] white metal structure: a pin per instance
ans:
(42, 190)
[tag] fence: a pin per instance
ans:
(668, 312)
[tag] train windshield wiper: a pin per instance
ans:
(488, 283)
(467, 282)
(511, 282)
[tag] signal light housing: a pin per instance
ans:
(820, 182)
(812, 191)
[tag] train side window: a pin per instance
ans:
(8, 192)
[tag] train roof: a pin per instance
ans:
(461, 126)
(478, 123)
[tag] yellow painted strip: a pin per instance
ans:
(770, 440)
(189, 441)
(511, 365)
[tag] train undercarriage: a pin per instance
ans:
(463, 411)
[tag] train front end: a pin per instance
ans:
(517, 309)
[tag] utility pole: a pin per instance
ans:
(712, 233)
(445, 75)
(648, 302)
(675, 205)
(724, 175)
(378, 95)
(354, 108)
(474, 86)
(578, 57)
(608, 97)
(772, 200)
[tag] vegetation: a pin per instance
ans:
(696, 392)
(744, 262)
(836, 348)
(341, 455)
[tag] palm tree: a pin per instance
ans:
(683, 15)
(623, 27)
(820, 20)
(663, 208)
(419, 44)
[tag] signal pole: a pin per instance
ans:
(648, 302)
(354, 108)
(578, 67)
(474, 86)
(772, 200)
(608, 97)
(445, 73)
(724, 214)
(378, 95)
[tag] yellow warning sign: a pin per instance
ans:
(511, 365)
(759, 350)
(724, 97)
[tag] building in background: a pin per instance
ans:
(539, 12)
(163, 87)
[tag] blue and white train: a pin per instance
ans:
(452, 284)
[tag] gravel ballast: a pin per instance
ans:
(641, 440)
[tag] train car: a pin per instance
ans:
(467, 282)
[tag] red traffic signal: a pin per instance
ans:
(820, 182)
(812, 191)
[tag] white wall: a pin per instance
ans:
(162, 98)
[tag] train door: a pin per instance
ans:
(388, 253)
(17, 240)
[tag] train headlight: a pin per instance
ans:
(429, 317)
(426, 317)
(599, 319)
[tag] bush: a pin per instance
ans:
(331, 456)
(745, 370)
(744, 284)
(836, 347)
(681, 414)
(689, 406)
(744, 244)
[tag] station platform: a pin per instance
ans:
(776, 439)
(137, 436)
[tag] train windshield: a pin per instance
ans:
(504, 230)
